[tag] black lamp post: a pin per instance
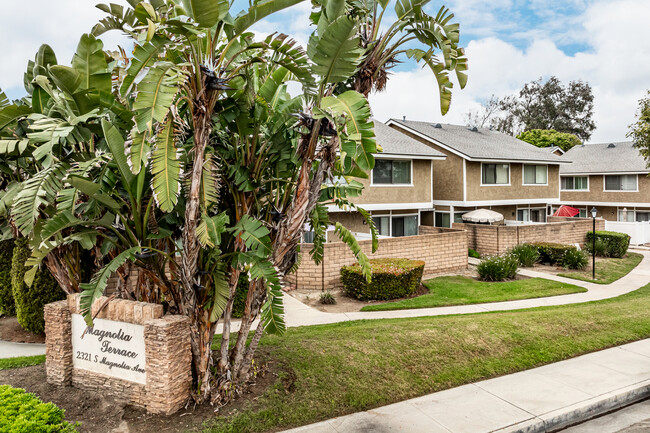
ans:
(593, 245)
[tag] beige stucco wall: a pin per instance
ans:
(420, 192)
(597, 194)
(516, 190)
(447, 174)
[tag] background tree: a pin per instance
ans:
(640, 130)
(549, 138)
(545, 105)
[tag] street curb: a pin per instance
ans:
(580, 412)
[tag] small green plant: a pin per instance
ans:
(614, 244)
(600, 247)
(498, 268)
(575, 259)
(22, 412)
(327, 298)
(391, 278)
(527, 254)
(473, 253)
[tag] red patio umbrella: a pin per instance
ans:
(566, 211)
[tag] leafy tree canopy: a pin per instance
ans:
(640, 130)
(549, 138)
(545, 105)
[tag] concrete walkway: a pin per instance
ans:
(14, 350)
(543, 399)
(299, 314)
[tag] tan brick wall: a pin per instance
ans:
(488, 240)
(167, 351)
(442, 250)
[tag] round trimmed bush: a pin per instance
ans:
(552, 253)
(7, 306)
(22, 412)
(614, 244)
(498, 268)
(391, 279)
(527, 254)
(30, 300)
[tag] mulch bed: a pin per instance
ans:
(101, 414)
(10, 330)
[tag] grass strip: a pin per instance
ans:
(608, 270)
(460, 290)
(21, 361)
(331, 370)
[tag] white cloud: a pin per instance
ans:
(25, 25)
(615, 65)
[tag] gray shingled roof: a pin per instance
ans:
(482, 144)
(396, 143)
(600, 158)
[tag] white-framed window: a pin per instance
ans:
(396, 225)
(625, 215)
(535, 175)
(495, 174)
(392, 172)
(536, 215)
(626, 182)
(574, 183)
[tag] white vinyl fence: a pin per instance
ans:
(639, 231)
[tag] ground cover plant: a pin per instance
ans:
(473, 253)
(607, 270)
(332, 370)
(22, 412)
(498, 268)
(461, 290)
(391, 279)
(21, 361)
(575, 259)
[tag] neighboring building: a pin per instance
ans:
(399, 190)
(613, 177)
(487, 169)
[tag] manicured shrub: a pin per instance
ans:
(327, 298)
(616, 244)
(575, 259)
(552, 253)
(600, 247)
(498, 268)
(7, 306)
(527, 254)
(30, 300)
(391, 278)
(239, 302)
(473, 253)
(22, 412)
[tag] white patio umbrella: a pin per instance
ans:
(483, 216)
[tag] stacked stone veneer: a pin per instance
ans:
(442, 250)
(167, 351)
(497, 239)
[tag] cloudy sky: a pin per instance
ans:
(508, 43)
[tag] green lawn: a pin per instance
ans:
(459, 290)
(608, 270)
(332, 370)
(21, 361)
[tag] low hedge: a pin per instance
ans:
(30, 300)
(7, 305)
(391, 279)
(22, 412)
(616, 244)
(552, 253)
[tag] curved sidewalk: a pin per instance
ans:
(299, 314)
